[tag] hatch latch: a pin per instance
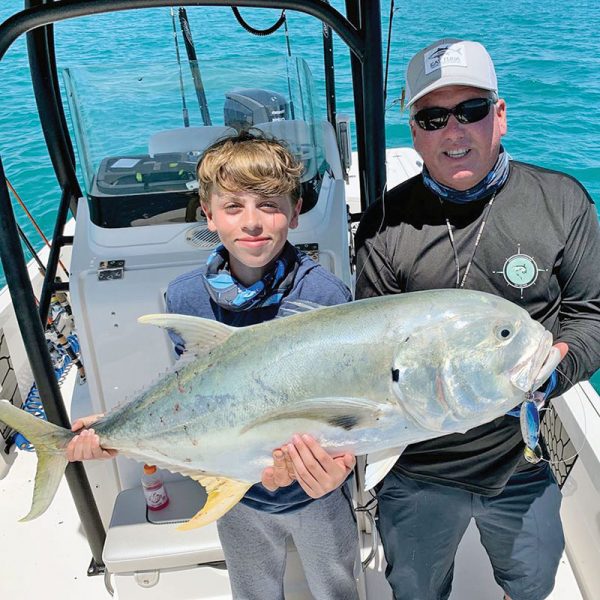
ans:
(110, 270)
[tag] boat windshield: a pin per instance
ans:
(141, 129)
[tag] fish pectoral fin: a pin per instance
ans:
(347, 413)
(223, 494)
(379, 465)
(199, 335)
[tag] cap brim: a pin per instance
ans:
(446, 82)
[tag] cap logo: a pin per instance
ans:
(446, 55)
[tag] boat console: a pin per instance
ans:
(132, 187)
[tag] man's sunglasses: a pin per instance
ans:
(469, 111)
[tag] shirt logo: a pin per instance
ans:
(520, 270)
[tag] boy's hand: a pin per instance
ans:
(281, 474)
(317, 471)
(86, 445)
(85, 421)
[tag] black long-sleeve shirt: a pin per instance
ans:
(540, 248)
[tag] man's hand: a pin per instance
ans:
(86, 445)
(317, 471)
(563, 348)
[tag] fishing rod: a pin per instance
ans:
(68, 345)
(34, 254)
(186, 117)
(33, 221)
(64, 354)
(401, 98)
(288, 58)
(193, 61)
(60, 299)
(387, 54)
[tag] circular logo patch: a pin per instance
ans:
(520, 270)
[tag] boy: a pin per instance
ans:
(250, 194)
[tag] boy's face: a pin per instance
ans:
(252, 228)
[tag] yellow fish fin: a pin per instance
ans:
(223, 494)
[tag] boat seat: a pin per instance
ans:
(141, 540)
(187, 139)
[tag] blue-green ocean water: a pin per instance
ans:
(547, 57)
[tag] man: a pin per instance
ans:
(477, 219)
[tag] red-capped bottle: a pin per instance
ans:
(154, 489)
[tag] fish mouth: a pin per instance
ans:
(531, 372)
(552, 360)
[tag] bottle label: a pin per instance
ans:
(156, 497)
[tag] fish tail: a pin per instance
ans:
(49, 441)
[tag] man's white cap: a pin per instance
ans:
(449, 62)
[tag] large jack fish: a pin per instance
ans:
(360, 377)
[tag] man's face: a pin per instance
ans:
(459, 155)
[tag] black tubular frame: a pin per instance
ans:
(367, 79)
(360, 31)
(329, 67)
(32, 332)
(42, 64)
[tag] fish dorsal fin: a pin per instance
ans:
(200, 335)
(295, 307)
(379, 465)
(223, 494)
(347, 413)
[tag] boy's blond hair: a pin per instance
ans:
(252, 163)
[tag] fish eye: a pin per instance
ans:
(503, 332)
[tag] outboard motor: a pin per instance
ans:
(245, 108)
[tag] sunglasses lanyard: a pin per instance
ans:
(461, 283)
